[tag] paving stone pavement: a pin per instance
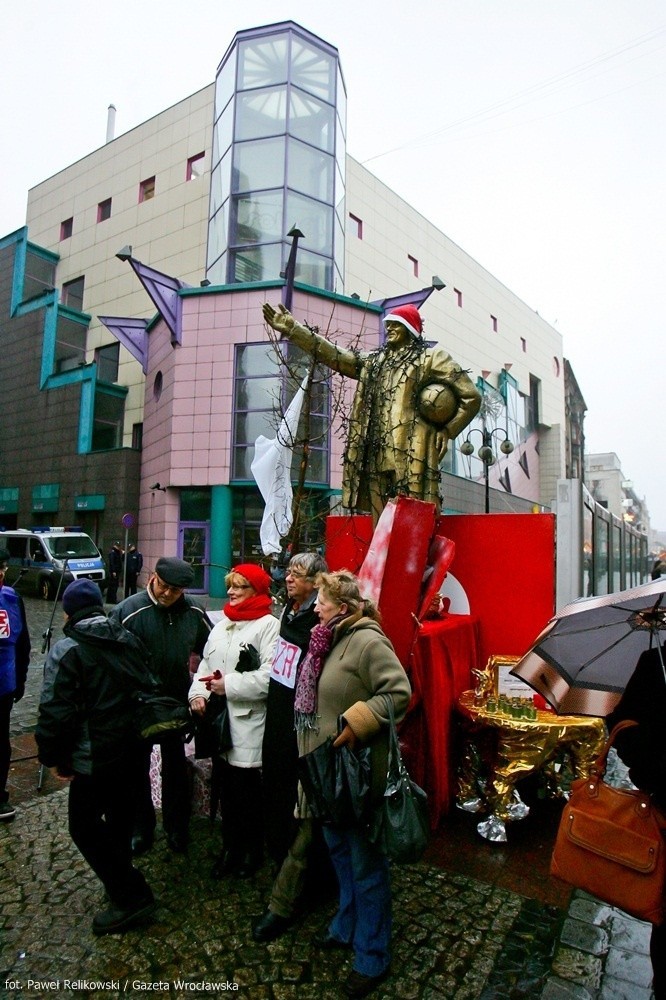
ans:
(455, 935)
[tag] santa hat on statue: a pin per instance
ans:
(410, 318)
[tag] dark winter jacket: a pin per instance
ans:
(115, 562)
(643, 747)
(87, 709)
(134, 563)
(170, 634)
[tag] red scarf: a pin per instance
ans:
(251, 608)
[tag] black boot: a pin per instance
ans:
(228, 863)
(252, 862)
(117, 919)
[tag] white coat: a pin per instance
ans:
(246, 692)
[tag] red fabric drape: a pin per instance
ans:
(445, 652)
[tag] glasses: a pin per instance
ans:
(239, 586)
(166, 587)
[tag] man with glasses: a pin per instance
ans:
(14, 659)
(294, 845)
(172, 626)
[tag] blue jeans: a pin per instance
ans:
(364, 911)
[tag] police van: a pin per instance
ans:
(42, 558)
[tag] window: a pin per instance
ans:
(262, 394)
(523, 345)
(107, 362)
(72, 294)
(195, 167)
(458, 295)
(70, 348)
(357, 225)
(66, 228)
(39, 275)
(108, 421)
(415, 265)
(533, 404)
(493, 320)
(104, 210)
(147, 189)
(137, 436)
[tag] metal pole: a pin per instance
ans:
(487, 439)
(125, 565)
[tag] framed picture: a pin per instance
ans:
(505, 683)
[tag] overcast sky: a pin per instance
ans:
(531, 132)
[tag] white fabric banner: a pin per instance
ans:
(271, 467)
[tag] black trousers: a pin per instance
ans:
(6, 703)
(100, 824)
(176, 791)
(112, 589)
(240, 801)
(279, 772)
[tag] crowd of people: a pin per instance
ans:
(123, 569)
(284, 686)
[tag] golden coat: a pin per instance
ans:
(387, 433)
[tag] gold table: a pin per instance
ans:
(498, 750)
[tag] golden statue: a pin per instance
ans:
(411, 400)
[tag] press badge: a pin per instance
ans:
(285, 663)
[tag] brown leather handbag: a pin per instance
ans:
(611, 843)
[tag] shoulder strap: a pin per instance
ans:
(599, 766)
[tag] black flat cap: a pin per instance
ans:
(175, 572)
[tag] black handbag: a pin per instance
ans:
(399, 826)
(159, 716)
(212, 730)
(336, 782)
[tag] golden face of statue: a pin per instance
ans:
(397, 335)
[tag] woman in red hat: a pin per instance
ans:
(236, 663)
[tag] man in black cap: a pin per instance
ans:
(86, 730)
(172, 626)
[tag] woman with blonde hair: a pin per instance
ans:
(236, 662)
(349, 668)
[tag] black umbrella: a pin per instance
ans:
(584, 657)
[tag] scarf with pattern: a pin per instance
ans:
(307, 678)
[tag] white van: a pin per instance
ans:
(39, 558)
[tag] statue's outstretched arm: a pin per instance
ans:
(340, 359)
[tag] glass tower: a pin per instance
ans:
(278, 159)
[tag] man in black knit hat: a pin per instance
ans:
(86, 731)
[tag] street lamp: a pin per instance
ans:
(490, 404)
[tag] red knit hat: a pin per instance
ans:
(410, 318)
(255, 575)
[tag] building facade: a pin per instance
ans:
(131, 304)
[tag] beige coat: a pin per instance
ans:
(360, 667)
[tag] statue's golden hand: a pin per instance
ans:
(279, 319)
(441, 442)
